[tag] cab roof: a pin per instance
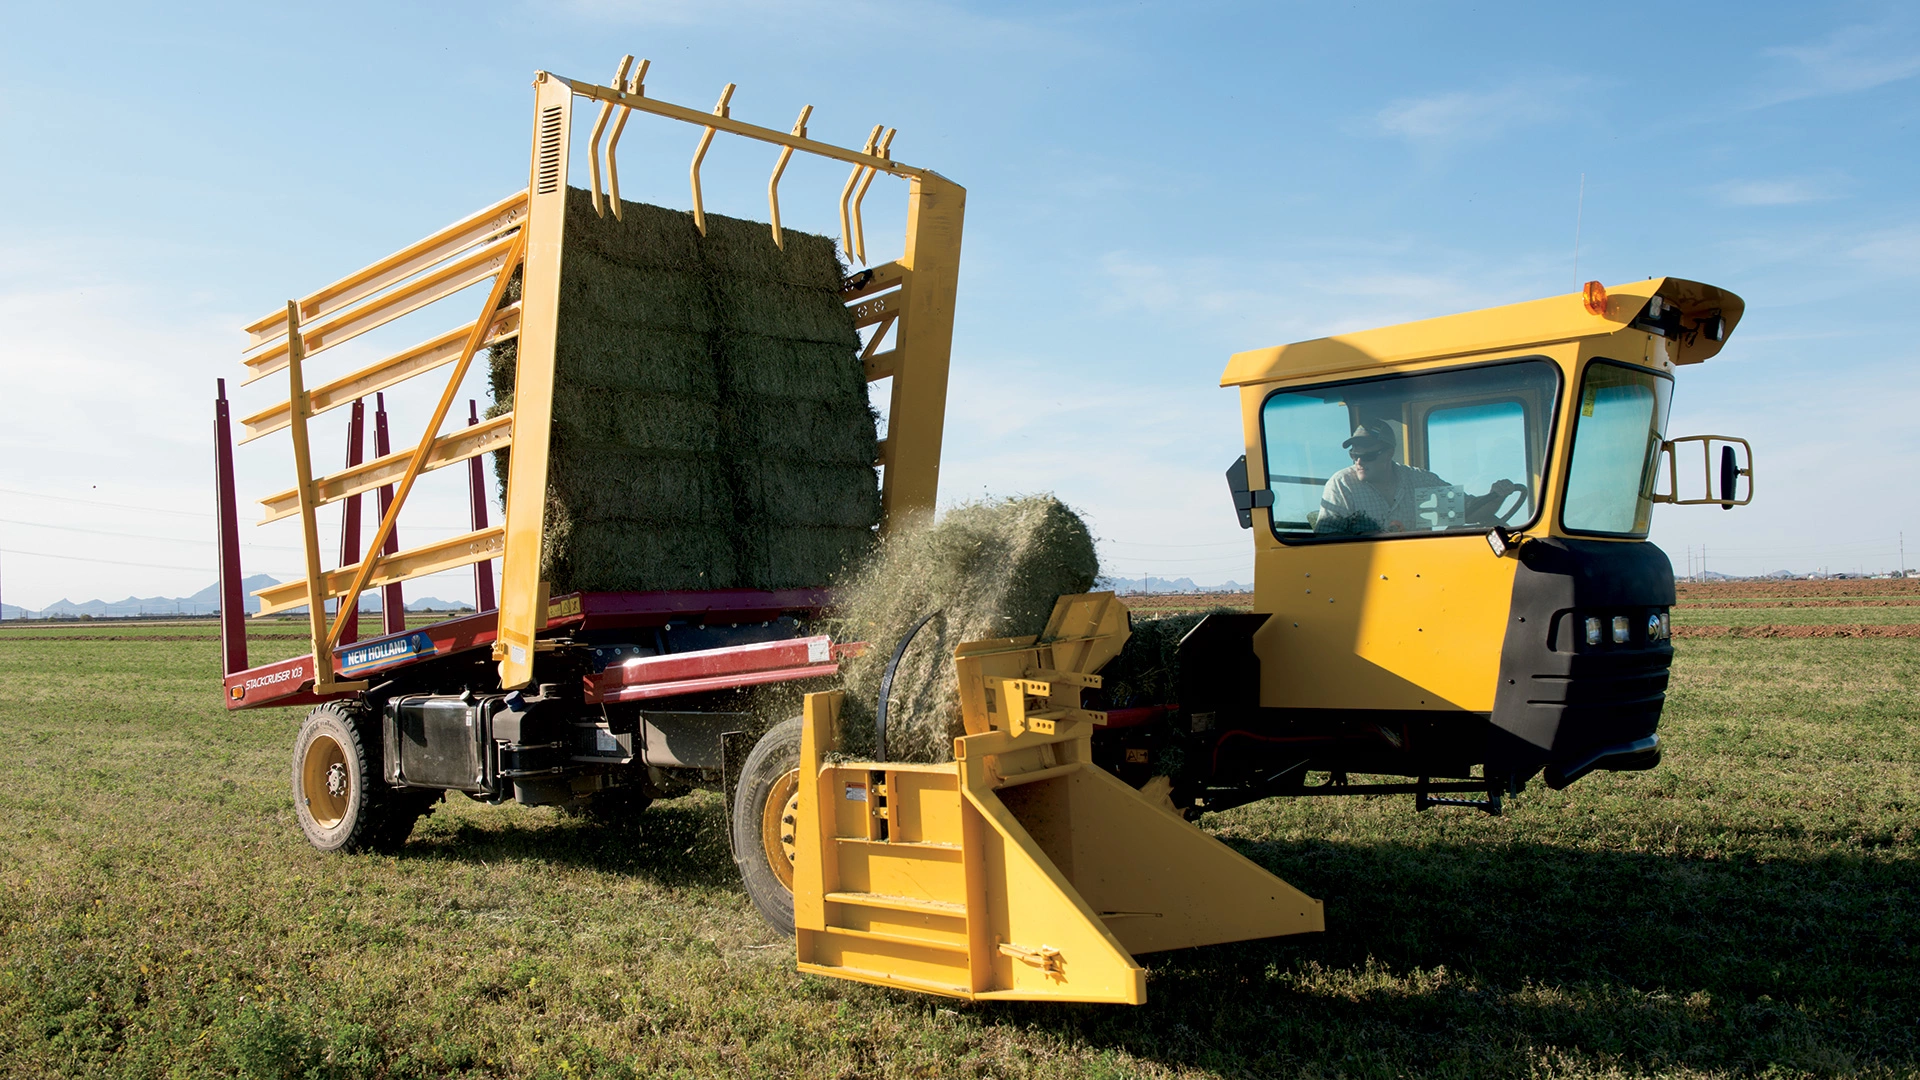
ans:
(1515, 326)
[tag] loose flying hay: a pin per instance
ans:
(992, 569)
(1147, 671)
(710, 426)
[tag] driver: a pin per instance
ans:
(1377, 494)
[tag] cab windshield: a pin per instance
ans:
(1410, 455)
(1617, 434)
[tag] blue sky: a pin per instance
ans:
(1151, 188)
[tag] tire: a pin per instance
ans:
(405, 808)
(339, 795)
(763, 807)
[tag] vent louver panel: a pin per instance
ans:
(548, 180)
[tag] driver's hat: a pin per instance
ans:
(1371, 436)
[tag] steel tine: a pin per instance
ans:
(637, 87)
(599, 129)
(859, 226)
(846, 193)
(706, 140)
(773, 183)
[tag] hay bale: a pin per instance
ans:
(711, 425)
(1147, 671)
(993, 568)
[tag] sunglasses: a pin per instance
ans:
(1366, 459)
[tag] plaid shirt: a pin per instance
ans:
(1347, 496)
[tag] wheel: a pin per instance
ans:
(341, 800)
(766, 806)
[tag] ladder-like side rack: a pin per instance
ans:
(907, 303)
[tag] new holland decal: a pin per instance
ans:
(378, 654)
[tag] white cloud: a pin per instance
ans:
(1849, 60)
(1463, 116)
(1895, 250)
(1784, 192)
(946, 25)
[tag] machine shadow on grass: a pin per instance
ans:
(1440, 953)
(678, 843)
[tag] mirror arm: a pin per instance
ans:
(1245, 499)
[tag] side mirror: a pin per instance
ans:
(1245, 499)
(1725, 488)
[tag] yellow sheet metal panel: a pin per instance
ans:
(521, 615)
(916, 417)
(1514, 326)
(1411, 623)
(1160, 883)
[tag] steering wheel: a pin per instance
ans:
(1506, 517)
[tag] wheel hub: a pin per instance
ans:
(778, 820)
(337, 780)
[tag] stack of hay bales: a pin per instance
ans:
(993, 569)
(711, 427)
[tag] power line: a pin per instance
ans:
(109, 562)
(97, 502)
(1130, 543)
(140, 536)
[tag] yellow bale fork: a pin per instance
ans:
(1020, 870)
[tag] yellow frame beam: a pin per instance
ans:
(475, 228)
(468, 270)
(395, 369)
(448, 554)
(482, 438)
(522, 604)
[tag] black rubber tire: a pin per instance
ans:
(405, 808)
(355, 811)
(773, 757)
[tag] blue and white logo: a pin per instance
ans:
(381, 653)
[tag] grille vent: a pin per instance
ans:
(548, 179)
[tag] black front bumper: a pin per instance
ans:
(1567, 706)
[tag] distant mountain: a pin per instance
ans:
(204, 602)
(1165, 585)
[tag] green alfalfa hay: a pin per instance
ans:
(992, 568)
(1147, 671)
(724, 352)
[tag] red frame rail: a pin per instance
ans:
(289, 682)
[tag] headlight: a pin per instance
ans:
(1593, 631)
(1656, 627)
(1621, 627)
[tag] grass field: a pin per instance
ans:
(1753, 906)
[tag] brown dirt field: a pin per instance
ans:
(1175, 603)
(1814, 602)
(1854, 587)
(1817, 630)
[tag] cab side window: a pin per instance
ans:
(1303, 450)
(1476, 445)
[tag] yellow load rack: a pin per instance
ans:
(1020, 870)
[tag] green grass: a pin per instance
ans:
(1753, 906)
(1794, 616)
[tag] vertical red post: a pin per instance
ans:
(350, 514)
(233, 600)
(477, 494)
(393, 602)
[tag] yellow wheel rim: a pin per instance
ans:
(325, 784)
(778, 818)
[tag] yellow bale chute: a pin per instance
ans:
(1020, 870)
